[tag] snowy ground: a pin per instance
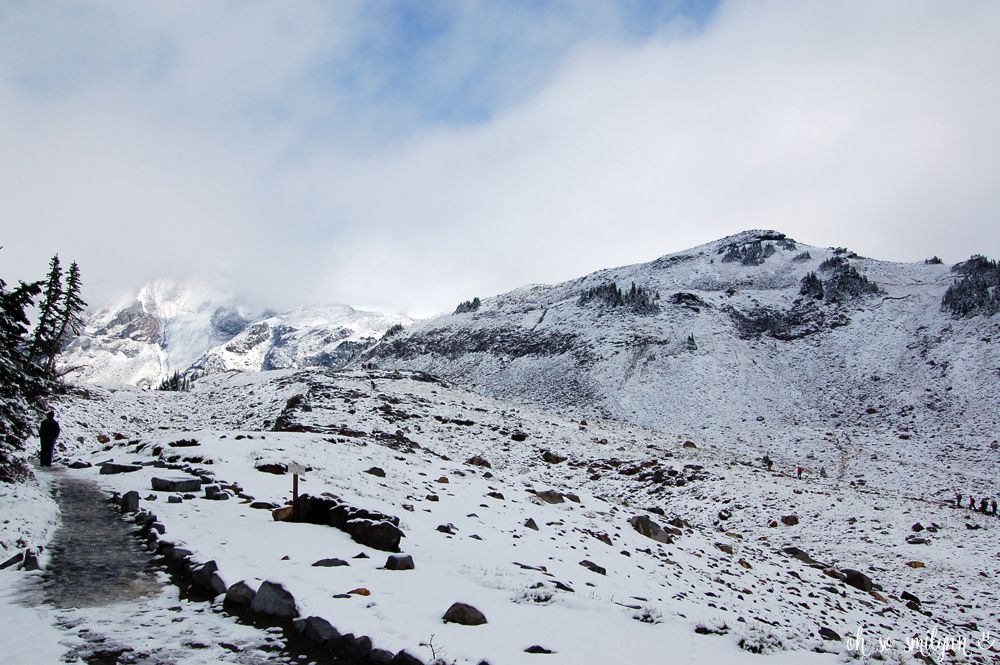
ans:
(724, 576)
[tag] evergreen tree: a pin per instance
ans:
(16, 374)
(70, 315)
(47, 326)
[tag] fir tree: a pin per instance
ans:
(16, 374)
(47, 326)
(70, 315)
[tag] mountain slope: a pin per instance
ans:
(192, 328)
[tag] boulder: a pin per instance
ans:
(790, 520)
(202, 575)
(591, 566)
(465, 615)
(272, 599)
(316, 629)
(358, 648)
(110, 468)
(404, 658)
(829, 634)
(647, 527)
(858, 580)
(447, 528)
(538, 649)
(476, 460)
(530, 523)
(382, 535)
(553, 458)
(129, 502)
(330, 563)
(399, 562)
(380, 657)
(79, 464)
(376, 471)
(240, 594)
(519, 436)
(276, 469)
(179, 484)
(550, 496)
(802, 556)
(906, 595)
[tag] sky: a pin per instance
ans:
(410, 155)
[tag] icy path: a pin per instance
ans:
(112, 604)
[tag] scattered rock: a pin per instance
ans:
(728, 549)
(591, 566)
(550, 496)
(447, 528)
(330, 563)
(273, 600)
(829, 634)
(553, 458)
(690, 444)
(465, 615)
(790, 520)
(519, 436)
(240, 594)
(376, 471)
(79, 464)
(110, 468)
(858, 580)
(263, 505)
(399, 562)
(918, 527)
(476, 460)
(316, 629)
(276, 469)
(176, 484)
(916, 564)
(647, 527)
(403, 658)
(906, 595)
(129, 502)
(530, 523)
(537, 649)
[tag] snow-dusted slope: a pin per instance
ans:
(172, 326)
(737, 353)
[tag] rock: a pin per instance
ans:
(376, 471)
(550, 496)
(465, 615)
(316, 629)
(495, 495)
(906, 595)
(79, 464)
(273, 600)
(175, 498)
(263, 505)
(202, 575)
(103, 438)
(916, 564)
(222, 495)
(918, 527)
(330, 563)
(31, 561)
(647, 527)
(476, 460)
(276, 469)
(537, 649)
(790, 520)
(211, 490)
(802, 556)
(690, 444)
(447, 528)
(399, 562)
(530, 523)
(383, 536)
(380, 657)
(858, 580)
(217, 584)
(590, 565)
(918, 540)
(283, 514)
(179, 484)
(728, 549)
(553, 458)
(360, 591)
(443, 480)
(109, 468)
(240, 594)
(829, 634)
(404, 658)
(519, 436)
(358, 648)
(130, 502)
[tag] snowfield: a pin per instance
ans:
(724, 571)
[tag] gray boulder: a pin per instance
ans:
(465, 615)
(316, 629)
(858, 580)
(647, 527)
(399, 562)
(273, 600)
(110, 468)
(176, 484)
(240, 594)
(130, 502)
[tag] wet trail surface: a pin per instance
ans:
(115, 604)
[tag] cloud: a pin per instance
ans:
(357, 155)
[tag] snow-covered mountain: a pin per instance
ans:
(735, 340)
(193, 327)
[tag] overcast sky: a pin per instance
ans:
(408, 155)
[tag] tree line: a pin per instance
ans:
(28, 372)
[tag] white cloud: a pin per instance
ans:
(866, 124)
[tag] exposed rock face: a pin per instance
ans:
(463, 614)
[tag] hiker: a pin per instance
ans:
(993, 507)
(799, 470)
(982, 505)
(48, 432)
(958, 500)
(768, 462)
(972, 503)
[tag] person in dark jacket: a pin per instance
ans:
(983, 503)
(48, 432)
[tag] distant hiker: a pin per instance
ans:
(48, 432)
(768, 462)
(972, 503)
(993, 507)
(982, 505)
(822, 472)
(373, 385)
(958, 500)
(799, 471)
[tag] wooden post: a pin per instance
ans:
(295, 497)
